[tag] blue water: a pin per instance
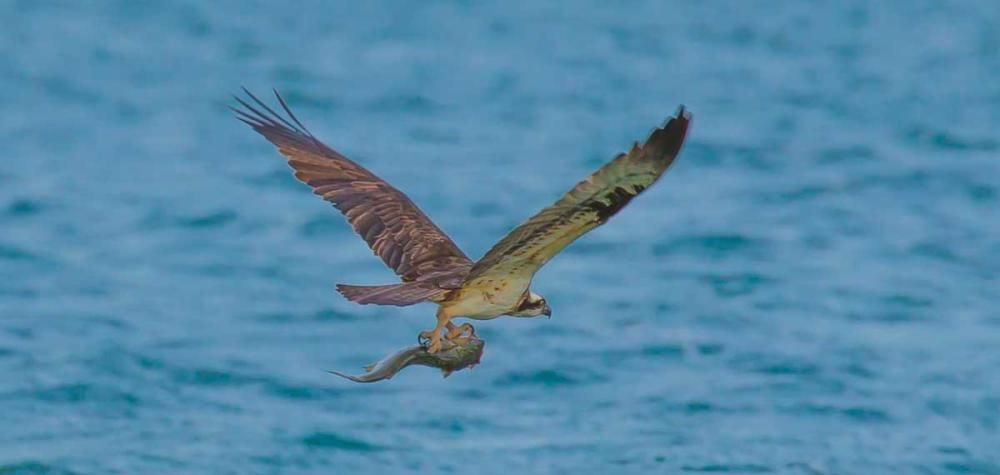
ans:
(812, 289)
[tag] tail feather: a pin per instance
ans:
(401, 295)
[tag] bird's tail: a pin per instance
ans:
(401, 295)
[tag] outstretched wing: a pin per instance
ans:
(395, 229)
(588, 205)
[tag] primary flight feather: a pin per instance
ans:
(431, 267)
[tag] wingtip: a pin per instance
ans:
(679, 122)
(670, 136)
(682, 113)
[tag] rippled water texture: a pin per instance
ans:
(812, 289)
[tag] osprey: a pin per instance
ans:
(431, 267)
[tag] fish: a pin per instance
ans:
(455, 355)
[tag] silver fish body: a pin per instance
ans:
(461, 354)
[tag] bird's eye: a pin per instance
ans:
(541, 302)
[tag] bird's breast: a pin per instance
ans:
(485, 300)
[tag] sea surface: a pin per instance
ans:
(813, 288)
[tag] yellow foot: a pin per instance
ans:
(460, 331)
(431, 339)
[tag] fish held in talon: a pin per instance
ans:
(430, 266)
(455, 355)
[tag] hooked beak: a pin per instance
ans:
(547, 311)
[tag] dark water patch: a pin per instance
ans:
(756, 158)
(238, 269)
(847, 154)
(472, 394)
(303, 99)
(802, 192)
(716, 246)
(243, 49)
(948, 141)
(549, 378)
(904, 181)
(892, 317)
(209, 220)
(661, 350)
(21, 333)
(24, 208)
(694, 407)
(22, 293)
(934, 251)
(483, 208)
(323, 315)
(213, 377)
(985, 411)
(79, 393)
(861, 414)
(434, 136)
(890, 308)
(981, 193)
(805, 100)
(67, 90)
(11, 252)
(293, 73)
(160, 219)
(952, 450)
(709, 349)
(908, 301)
(726, 321)
(404, 103)
(304, 393)
(860, 370)
(775, 365)
(452, 425)
(562, 330)
(727, 468)
(176, 464)
(334, 441)
(124, 364)
(866, 414)
(697, 407)
(654, 352)
(972, 467)
(734, 285)
(33, 468)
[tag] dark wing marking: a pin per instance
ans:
(395, 229)
(589, 204)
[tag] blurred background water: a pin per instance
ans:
(812, 289)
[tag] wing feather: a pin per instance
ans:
(394, 227)
(588, 205)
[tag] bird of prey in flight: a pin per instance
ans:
(431, 267)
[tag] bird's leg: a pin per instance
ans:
(434, 336)
(458, 331)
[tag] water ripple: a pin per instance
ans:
(333, 441)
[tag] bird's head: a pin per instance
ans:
(533, 305)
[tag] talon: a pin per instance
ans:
(424, 338)
(434, 336)
(435, 346)
(430, 340)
